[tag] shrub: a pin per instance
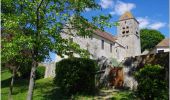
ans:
(76, 75)
(151, 83)
(24, 70)
(40, 71)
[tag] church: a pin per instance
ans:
(126, 43)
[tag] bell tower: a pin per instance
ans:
(129, 35)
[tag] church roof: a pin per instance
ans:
(163, 43)
(105, 35)
(126, 15)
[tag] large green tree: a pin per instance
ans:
(150, 38)
(36, 25)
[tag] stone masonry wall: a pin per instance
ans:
(133, 64)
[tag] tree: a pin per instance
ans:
(39, 23)
(150, 38)
(151, 83)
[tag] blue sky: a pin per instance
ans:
(152, 14)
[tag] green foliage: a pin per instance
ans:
(35, 26)
(150, 38)
(40, 72)
(151, 83)
(24, 70)
(76, 75)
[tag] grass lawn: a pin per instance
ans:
(46, 90)
(124, 95)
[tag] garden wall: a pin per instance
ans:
(133, 64)
(49, 69)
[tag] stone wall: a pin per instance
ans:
(49, 69)
(129, 36)
(94, 46)
(133, 64)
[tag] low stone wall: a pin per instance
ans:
(50, 69)
(133, 64)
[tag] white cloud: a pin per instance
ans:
(112, 13)
(157, 25)
(106, 3)
(122, 7)
(87, 9)
(145, 22)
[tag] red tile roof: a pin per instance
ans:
(163, 43)
(105, 35)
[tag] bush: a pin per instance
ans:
(24, 70)
(40, 71)
(151, 83)
(76, 75)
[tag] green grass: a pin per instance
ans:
(124, 95)
(45, 90)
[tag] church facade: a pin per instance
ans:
(125, 44)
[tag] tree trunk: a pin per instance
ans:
(11, 85)
(32, 81)
(34, 55)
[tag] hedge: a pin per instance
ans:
(40, 72)
(151, 83)
(76, 75)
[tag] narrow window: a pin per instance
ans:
(102, 44)
(127, 31)
(110, 47)
(123, 28)
(113, 44)
(91, 37)
(126, 47)
(87, 45)
(136, 32)
(160, 51)
(71, 39)
(127, 27)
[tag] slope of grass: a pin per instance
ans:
(124, 95)
(46, 90)
(42, 87)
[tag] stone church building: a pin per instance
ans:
(125, 44)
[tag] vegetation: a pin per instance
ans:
(34, 28)
(43, 88)
(150, 38)
(151, 83)
(124, 95)
(40, 72)
(76, 75)
(24, 70)
(50, 92)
